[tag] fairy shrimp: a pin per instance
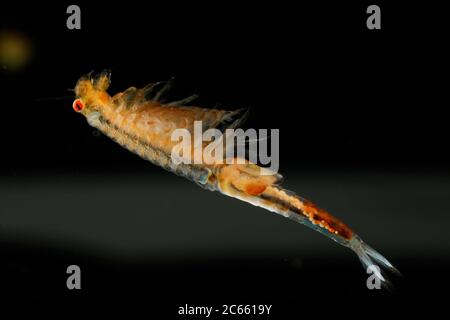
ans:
(141, 122)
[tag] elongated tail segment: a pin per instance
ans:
(245, 182)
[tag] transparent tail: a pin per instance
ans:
(373, 261)
(244, 182)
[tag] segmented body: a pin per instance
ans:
(144, 126)
(138, 121)
(128, 136)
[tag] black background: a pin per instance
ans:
(348, 102)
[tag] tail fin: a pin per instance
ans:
(369, 258)
(245, 182)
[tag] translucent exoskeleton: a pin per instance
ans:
(140, 121)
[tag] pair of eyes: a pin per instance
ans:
(78, 105)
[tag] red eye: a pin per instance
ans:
(78, 105)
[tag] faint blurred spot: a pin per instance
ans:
(296, 263)
(15, 50)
